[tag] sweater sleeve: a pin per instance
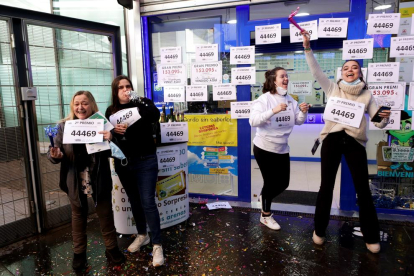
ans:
(318, 74)
(372, 109)
(259, 115)
(148, 110)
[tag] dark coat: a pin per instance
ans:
(69, 176)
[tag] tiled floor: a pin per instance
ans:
(225, 242)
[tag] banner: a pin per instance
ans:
(211, 130)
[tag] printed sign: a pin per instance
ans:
(243, 75)
(224, 92)
(125, 116)
(171, 55)
(389, 94)
(300, 88)
(167, 157)
(393, 122)
(343, 111)
(83, 131)
(206, 52)
(174, 132)
(402, 46)
(311, 27)
(333, 27)
(242, 55)
(171, 74)
(383, 72)
(240, 110)
(196, 93)
(358, 49)
(268, 34)
(174, 94)
(383, 23)
(206, 73)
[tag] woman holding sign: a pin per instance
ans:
(344, 133)
(274, 114)
(83, 174)
(133, 130)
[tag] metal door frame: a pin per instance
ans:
(18, 20)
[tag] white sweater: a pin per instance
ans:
(267, 137)
(351, 92)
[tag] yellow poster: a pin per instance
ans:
(406, 12)
(171, 185)
(211, 130)
(219, 171)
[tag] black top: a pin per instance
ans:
(139, 140)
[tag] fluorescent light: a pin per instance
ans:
(302, 14)
(296, 2)
(383, 7)
(259, 54)
(233, 21)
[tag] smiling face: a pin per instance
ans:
(351, 71)
(124, 86)
(82, 108)
(282, 79)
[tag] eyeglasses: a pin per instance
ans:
(122, 87)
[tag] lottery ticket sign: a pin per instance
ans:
(268, 34)
(311, 27)
(389, 94)
(242, 55)
(196, 93)
(383, 72)
(224, 92)
(240, 110)
(300, 88)
(206, 73)
(333, 27)
(206, 52)
(402, 46)
(171, 55)
(125, 116)
(174, 94)
(174, 132)
(383, 23)
(343, 111)
(175, 74)
(243, 75)
(168, 157)
(358, 49)
(83, 131)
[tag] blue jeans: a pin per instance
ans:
(139, 178)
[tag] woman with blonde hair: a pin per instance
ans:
(83, 174)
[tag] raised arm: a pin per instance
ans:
(314, 67)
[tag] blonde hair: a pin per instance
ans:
(92, 102)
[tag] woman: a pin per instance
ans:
(348, 140)
(274, 114)
(82, 174)
(139, 175)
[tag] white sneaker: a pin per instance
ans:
(317, 240)
(269, 222)
(157, 256)
(374, 247)
(139, 241)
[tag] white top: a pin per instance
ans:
(273, 130)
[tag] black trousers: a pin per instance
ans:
(275, 169)
(333, 147)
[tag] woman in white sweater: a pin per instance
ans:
(274, 114)
(344, 133)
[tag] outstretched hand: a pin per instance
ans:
(306, 39)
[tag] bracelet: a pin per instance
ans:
(308, 49)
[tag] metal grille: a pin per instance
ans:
(14, 203)
(62, 63)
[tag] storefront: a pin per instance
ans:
(220, 161)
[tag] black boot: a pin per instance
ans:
(79, 261)
(115, 256)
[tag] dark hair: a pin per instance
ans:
(114, 86)
(360, 72)
(269, 84)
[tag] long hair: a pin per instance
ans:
(92, 102)
(269, 85)
(360, 73)
(115, 107)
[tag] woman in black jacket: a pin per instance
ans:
(83, 174)
(139, 174)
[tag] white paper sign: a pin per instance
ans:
(125, 116)
(206, 52)
(339, 73)
(402, 46)
(174, 132)
(196, 93)
(412, 25)
(168, 157)
(97, 147)
(333, 27)
(240, 110)
(411, 97)
(358, 49)
(224, 92)
(311, 27)
(383, 72)
(218, 205)
(243, 75)
(300, 88)
(83, 131)
(268, 34)
(175, 74)
(393, 123)
(206, 73)
(174, 94)
(383, 23)
(242, 55)
(171, 55)
(389, 94)
(343, 111)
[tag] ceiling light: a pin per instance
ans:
(296, 2)
(302, 14)
(233, 21)
(383, 7)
